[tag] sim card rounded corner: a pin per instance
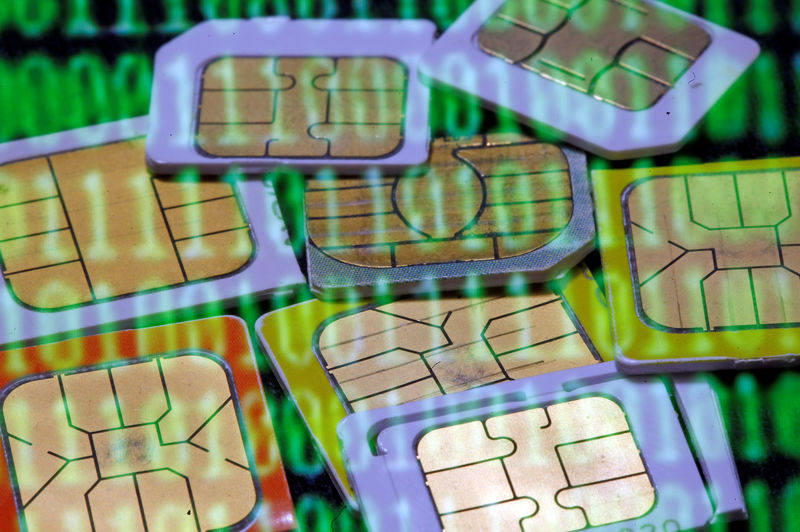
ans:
(603, 116)
(266, 92)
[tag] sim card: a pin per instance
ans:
(163, 428)
(619, 78)
(336, 358)
(487, 205)
(88, 237)
(702, 263)
(580, 449)
(308, 93)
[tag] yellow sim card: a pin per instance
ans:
(702, 263)
(84, 226)
(346, 357)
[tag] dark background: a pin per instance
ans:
(72, 63)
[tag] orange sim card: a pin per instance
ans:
(163, 428)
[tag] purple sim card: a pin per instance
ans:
(308, 93)
(576, 449)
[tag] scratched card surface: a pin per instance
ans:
(84, 224)
(710, 252)
(584, 448)
(505, 200)
(309, 93)
(625, 52)
(326, 107)
(341, 357)
(587, 471)
(619, 78)
(169, 432)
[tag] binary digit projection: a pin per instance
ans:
(716, 251)
(145, 445)
(302, 107)
(624, 52)
(565, 467)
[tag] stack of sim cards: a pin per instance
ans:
(460, 367)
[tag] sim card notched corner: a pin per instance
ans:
(264, 92)
(486, 208)
(626, 94)
(467, 458)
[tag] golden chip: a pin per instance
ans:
(153, 444)
(92, 224)
(565, 467)
(303, 107)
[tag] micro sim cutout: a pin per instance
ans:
(701, 263)
(150, 429)
(309, 93)
(343, 357)
(619, 78)
(486, 205)
(578, 449)
(88, 237)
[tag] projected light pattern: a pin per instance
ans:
(587, 469)
(152, 444)
(302, 107)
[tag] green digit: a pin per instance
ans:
(753, 445)
(221, 8)
(361, 8)
(760, 16)
(132, 80)
(719, 12)
(80, 19)
(790, 502)
(759, 503)
(39, 107)
(408, 9)
(130, 20)
(767, 80)
(314, 513)
(786, 413)
(35, 17)
(88, 75)
(177, 17)
(8, 101)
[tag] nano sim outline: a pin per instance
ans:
(631, 67)
(487, 205)
(240, 114)
(558, 488)
(101, 213)
(716, 240)
(143, 450)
